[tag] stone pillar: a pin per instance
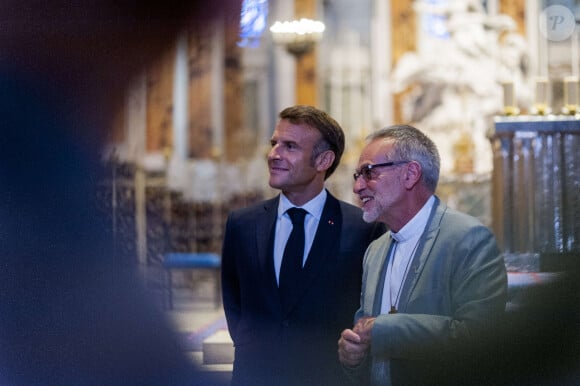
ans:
(236, 135)
(160, 103)
(381, 64)
(306, 71)
(403, 39)
(181, 97)
(200, 124)
(517, 10)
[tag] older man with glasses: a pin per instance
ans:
(436, 279)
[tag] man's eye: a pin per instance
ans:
(368, 173)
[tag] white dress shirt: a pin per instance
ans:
(314, 208)
(407, 240)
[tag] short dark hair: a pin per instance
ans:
(330, 130)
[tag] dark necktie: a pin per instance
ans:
(293, 254)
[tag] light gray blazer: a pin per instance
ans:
(456, 285)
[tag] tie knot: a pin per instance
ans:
(297, 215)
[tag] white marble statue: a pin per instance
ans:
(455, 81)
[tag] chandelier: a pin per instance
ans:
(297, 36)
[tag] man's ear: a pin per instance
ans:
(413, 174)
(324, 160)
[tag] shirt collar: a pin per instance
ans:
(313, 207)
(415, 227)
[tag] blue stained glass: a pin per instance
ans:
(435, 24)
(252, 22)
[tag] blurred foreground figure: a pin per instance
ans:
(539, 343)
(70, 312)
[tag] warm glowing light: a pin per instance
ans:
(298, 36)
(300, 27)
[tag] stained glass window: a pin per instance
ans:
(435, 23)
(252, 22)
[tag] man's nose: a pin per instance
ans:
(273, 153)
(359, 184)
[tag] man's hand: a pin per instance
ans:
(354, 344)
(364, 327)
(351, 349)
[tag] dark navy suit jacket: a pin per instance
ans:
(296, 344)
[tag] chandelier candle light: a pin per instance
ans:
(297, 36)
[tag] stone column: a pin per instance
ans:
(306, 71)
(517, 10)
(403, 39)
(200, 87)
(160, 103)
(236, 135)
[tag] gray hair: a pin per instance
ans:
(411, 144)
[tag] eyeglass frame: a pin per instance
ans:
(366, 170)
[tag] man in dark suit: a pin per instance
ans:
(285, 328)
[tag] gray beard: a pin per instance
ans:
(369, 216)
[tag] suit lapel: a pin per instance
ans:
(380, 280)
(265, 228)
(424, 248)
(324, 247)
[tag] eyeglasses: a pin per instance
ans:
(367, 171)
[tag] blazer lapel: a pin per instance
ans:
(380, 280)
(265, 227)
(424, 248)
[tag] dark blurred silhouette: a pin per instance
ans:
(71, 312)
(538, 344)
